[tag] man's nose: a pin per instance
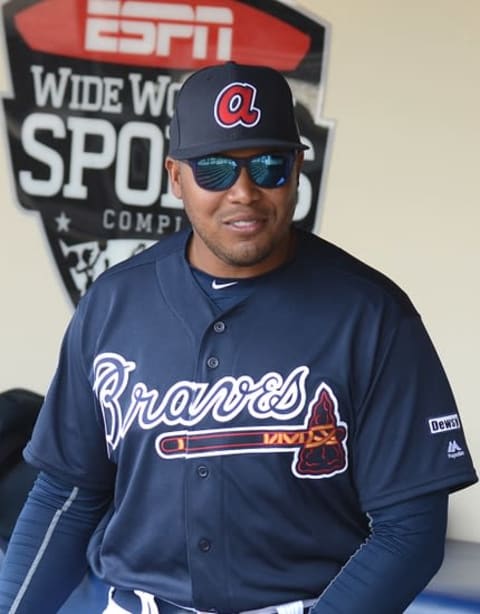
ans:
(244, 190)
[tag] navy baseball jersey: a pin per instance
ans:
(245, 445)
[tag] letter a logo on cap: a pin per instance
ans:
(235, 105)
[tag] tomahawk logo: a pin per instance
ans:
(234, 106)
(93, 92)
(318, 445)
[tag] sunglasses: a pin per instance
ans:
(266, 170)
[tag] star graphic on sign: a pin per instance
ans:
(63, 222)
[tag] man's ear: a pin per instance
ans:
(173, 170)
(299, 161)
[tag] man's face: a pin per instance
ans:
(242, 231)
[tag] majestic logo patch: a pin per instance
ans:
(318, 444)
(444, 423)
(234, 106)
(93, 88)
(454, 450)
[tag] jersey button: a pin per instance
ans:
(204, 545)
(202, 471)
(219, 327)
(213, 362)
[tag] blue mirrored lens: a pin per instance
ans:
(269, 170)
(216, 173)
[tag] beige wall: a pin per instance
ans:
(402, 193)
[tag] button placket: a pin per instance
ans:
(204, 545)
(202, 471)
(219, 327)
(213, 362)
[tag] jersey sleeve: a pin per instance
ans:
(408, 437)
(68, 440)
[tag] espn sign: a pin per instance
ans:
(94, 84)
(141, 28)
(174, 35)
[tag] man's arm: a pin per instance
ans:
(405, 549)
(45, 558)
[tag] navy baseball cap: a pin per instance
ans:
(233, 106)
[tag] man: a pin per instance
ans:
(244, 417)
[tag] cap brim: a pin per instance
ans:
(214, 148)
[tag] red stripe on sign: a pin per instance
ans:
(170, 35)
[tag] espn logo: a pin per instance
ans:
(444, 423)
(175, 34)
(149, 28)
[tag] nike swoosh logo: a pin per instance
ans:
(218, 286)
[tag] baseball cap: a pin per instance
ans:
(233, 106)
